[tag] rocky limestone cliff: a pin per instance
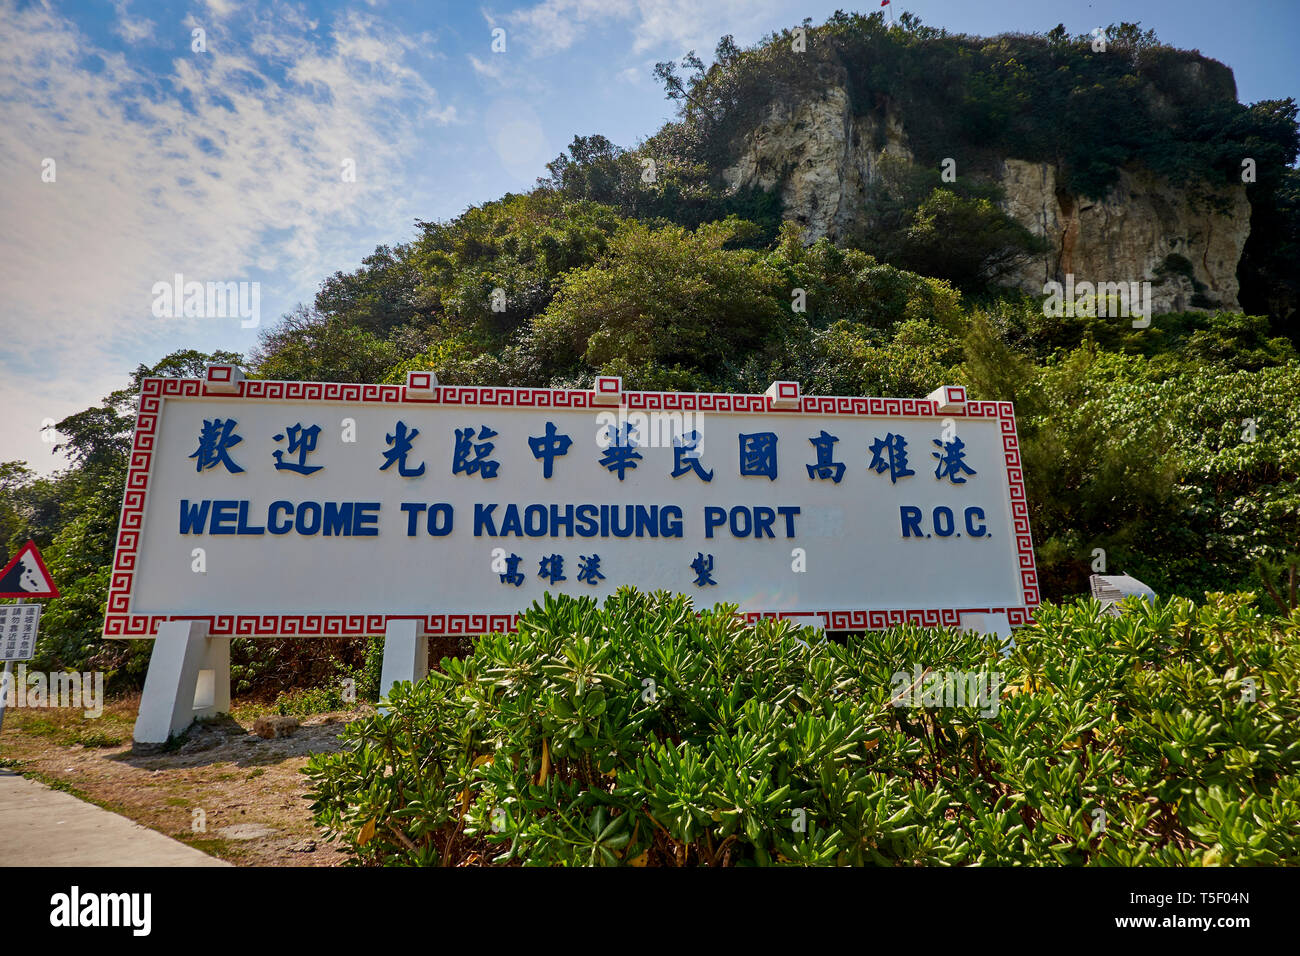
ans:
(1145, 228)
(824, 158)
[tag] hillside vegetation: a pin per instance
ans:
(1173, 448)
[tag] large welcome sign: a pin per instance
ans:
(290, 508)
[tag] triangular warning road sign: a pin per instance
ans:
(26, 576)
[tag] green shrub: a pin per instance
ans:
(306, 701)
(645, 733)
(261, 666)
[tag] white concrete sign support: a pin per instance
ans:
(406, 654)
(188, 679)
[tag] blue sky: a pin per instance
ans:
(225, 165)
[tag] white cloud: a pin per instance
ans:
(484, 68)
(555, 25)
(689, 24)
(221, 8)
(225, 164)
(672, 26)
(129, 28)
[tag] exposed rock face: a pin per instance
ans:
(1145, 229)
(824, 159)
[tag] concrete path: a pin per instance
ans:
(44, 827)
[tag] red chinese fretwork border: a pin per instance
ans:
(120, 622)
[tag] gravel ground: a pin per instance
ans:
(225, 790)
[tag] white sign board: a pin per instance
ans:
(284, 508)
(18, 625)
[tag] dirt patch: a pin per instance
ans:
(222, 790)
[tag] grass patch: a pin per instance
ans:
(54, 783)
(209, 845)
(69, 727)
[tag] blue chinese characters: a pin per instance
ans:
(402, 442)
(215, 441)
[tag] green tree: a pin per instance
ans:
(73, 516)
(665, 307)
(970, 242)
(308, 346)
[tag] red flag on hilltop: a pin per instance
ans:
(884, 3)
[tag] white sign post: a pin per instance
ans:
(24, 576)
(18, 627)
(257, 508)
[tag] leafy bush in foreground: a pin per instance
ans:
(645, 733)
